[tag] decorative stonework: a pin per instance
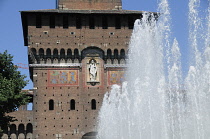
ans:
(116, 77)
(62, 77)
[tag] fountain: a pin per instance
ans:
(156, 102)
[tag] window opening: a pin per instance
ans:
(78, 22)
(65, 21)
(130, 22)
(117, 23)
(91, 22)
(51, 104)
(38, 21)
(72, 104)
(52, 21)
(104, 22)
(93, 104)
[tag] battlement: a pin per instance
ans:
(89, 4)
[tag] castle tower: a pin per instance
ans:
(75, 52)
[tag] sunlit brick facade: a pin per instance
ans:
(75, 52)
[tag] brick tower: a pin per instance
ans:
(75, 52)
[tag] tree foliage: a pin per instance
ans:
(11, 84)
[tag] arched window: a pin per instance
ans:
(41, 53)
(62, 53)
(76, 53)
(69, 53)
(48, 53)
(93, 104)
(122, 54)
(51, 104)
(29, 128)
(33, 50)
(72, 104)
(21, 128)
(115, 54)
(12, 128)
(55, 53)
(109, 53)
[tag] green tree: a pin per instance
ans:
(11, 84)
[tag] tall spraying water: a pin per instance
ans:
(153, 103)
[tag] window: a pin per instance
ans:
(115, 54)
(33, 50)
(109, 53)
(91, 22)
(51, 104)
(52, 21)
(30, 106)
(21, 128)
(13, 128)
(117, 23)
(65, 21)
(29, 128)
(72, 104)
(93, 104)
(130, 22)
(48, 53)
(69, 53)
(41, 53)
(122, 54)
(62, 53)
(104, 22)
(78, 22)
(38, 21)
(55, 53)
(76, 53)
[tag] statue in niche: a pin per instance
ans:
(92, 70)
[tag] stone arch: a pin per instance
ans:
(122, 54)
(21, 129)
(76, 53)
(90, 135)
(5, 136)
(55, 53)
(13, 136)
(115, 54)
(29, 128)
(41, 53)
(92, 51)
(109, 54)
(51, 104)
(62, 53)
(33, 50)
(48, 53)
(29, 136)
(13, 129)
(21, 136)
(69, 53)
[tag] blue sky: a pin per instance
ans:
(11, 37)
